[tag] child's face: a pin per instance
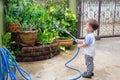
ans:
(88, 28)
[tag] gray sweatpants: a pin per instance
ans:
(89, 64)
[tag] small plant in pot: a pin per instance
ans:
(12, 17)
(13, 23)
(30, 18)
(65, 41)
(63, 18)
(28, 35)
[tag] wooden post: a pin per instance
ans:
(78, 17)
(99, 13)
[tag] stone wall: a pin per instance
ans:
(37, 53)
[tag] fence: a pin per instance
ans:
(107, 12)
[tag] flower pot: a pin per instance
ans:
(28, 38)
(13, 27)
(66, 43)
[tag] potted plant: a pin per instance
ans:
(65, 20)
(12, 15)
(65, 42)
(28, 35)
(13, 24)
(29, 24)
(24, 14)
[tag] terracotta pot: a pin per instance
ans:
(28, 38)
(66, 43)
(13, 27)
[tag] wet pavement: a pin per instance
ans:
(107, 63)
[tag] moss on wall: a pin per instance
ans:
(1, 20)
(72, 5)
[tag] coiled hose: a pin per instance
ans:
(9, 66)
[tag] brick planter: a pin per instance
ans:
(37, 53)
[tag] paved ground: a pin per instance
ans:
(107, 63)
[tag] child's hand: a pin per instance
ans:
(79, 45)
(77, 40)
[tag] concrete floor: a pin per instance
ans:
(107, 63)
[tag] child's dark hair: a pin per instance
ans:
(93, 23)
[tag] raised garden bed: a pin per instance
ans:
(37, 53)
